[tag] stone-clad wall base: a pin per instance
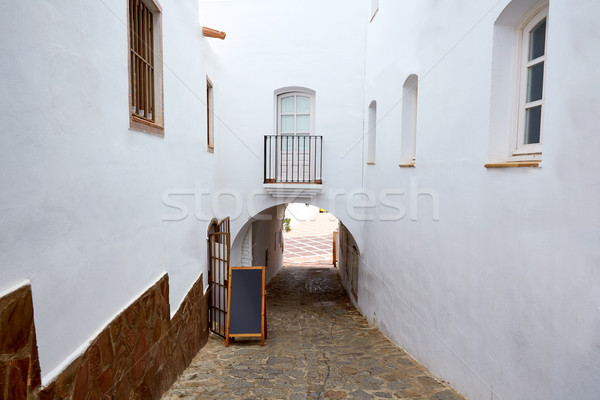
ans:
(137, 356)
(19, 365)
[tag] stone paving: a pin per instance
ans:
(310, 241)
(304, 250)
(318, 347)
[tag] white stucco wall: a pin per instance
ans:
(313, 44)
(501, 296)
(265, 233)
(267, 236)
(81, 193)
(246, 251)
(298, 212)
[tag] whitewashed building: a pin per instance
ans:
(456, 142)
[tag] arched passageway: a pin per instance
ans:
(310, 241)
(318, 346)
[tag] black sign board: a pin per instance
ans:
(246, 303)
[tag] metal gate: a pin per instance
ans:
(219, 248)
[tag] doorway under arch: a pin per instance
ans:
(263, 234)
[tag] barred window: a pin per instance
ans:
(144, 76)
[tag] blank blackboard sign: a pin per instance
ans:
(246, 303)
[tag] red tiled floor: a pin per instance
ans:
(304, 249)
(310, 241)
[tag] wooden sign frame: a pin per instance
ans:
(261, 335)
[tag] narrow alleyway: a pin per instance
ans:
(318, 347)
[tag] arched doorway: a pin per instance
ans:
(266, 228)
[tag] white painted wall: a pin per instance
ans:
(263, 232)
(313, 44)
(81, 193)
(267, 235)
(502, 294)
(247, 245)
(298, 212)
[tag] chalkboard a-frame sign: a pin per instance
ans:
(246, 303)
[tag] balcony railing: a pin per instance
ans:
(293, 159)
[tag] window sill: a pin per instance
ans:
(141, 125)
(513, 164)
(407, 165)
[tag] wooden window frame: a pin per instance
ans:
(210, 116)
(152, 63)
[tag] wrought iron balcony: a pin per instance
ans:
(293, 159)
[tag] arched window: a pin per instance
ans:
(518, 84)
(372, 133)
(294, 154)
(532, 65)
(295, 111)
(409, 121)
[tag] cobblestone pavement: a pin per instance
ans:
(318, 347)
